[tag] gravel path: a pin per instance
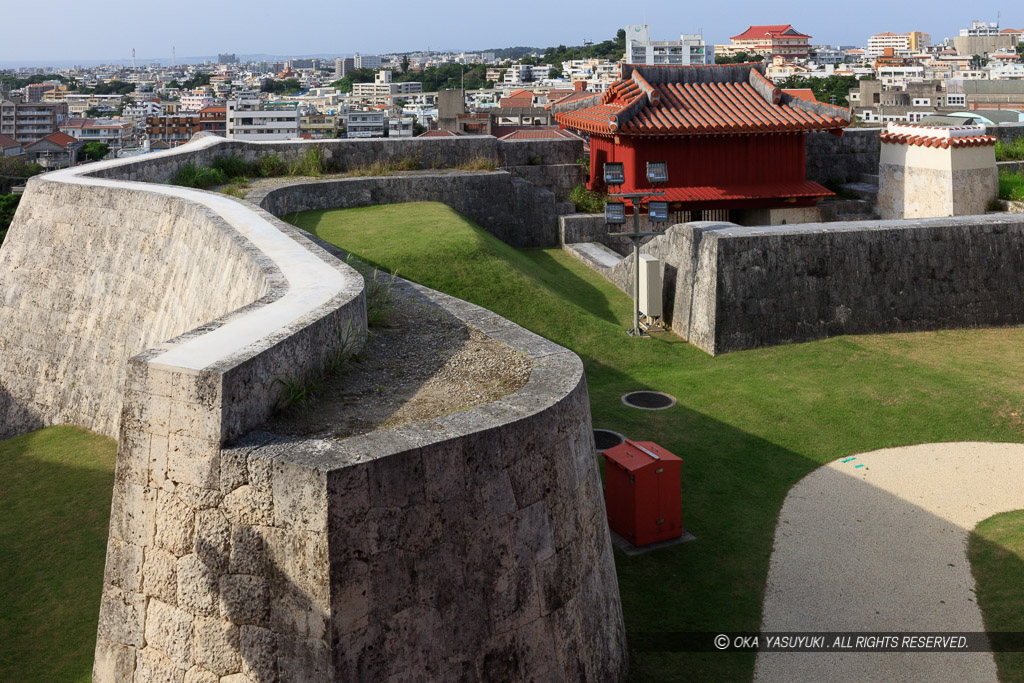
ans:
(883, 547)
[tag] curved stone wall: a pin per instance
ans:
(471, 546)
(93, 276)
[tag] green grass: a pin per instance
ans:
(749, 425)
(996, 550)
(55, 488)
(1012, 151)
(1011, 186)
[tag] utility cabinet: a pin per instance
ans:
(643, 493)
(650, 286)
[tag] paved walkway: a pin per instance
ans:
(883, 547)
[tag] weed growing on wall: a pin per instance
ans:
(587, 201)
(1012, 151)
(300, 393)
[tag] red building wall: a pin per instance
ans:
(701, 161)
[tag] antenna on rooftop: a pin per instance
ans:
(133, 58)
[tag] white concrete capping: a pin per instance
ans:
(312, 282)
(936, 131)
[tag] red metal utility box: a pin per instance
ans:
(642, 492)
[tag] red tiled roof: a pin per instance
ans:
(774, 31)
(520, 93)
(805, 94)
(60, 139)
(548, 134)
(438, 134)
(701, 100)
(943, 143)
(8, 142)
(725, 193)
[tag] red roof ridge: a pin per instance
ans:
(753, 32)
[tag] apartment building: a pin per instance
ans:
(383, 90)
(901, 44)
(343, 65)
(214, 120)
(367, 61)
(526, 73)
(197, 101)
(984, 38)
(174, 130)
(366, 124)
(113, 132)
(248, 119)
(78, 104)
(768, 41)
(320, 126)
(689, 50)
(30, 121)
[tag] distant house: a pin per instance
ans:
(9, 147)
(57, 150)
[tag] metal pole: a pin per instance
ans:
(636, 267)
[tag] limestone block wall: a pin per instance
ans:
(512, 210)
(470, 547)
(730, 288)
(93, 276)
(842, 159)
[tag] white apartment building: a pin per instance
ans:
(980, 28)
(366, 124)
(367, 61)
(113, 132)
(383, 90)
(248, 119)
(400, 126)
(901, 43)
(517, 74)
(140, 111)
(899, 76)
(196, 101)
(690, 49)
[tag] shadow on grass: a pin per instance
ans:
(54, 516)
(999, 572)
(564, 282)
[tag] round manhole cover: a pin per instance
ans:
(606, 438)
(648, 400)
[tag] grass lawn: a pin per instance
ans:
(55, 488)
(996, 549)
(749, 425)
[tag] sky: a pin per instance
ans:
(89, 32)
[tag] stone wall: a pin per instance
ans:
(511, 209)
(730, 288)
(842, 159)
(91, 277)
(470, 547)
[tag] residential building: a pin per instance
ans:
(55, 150)
(526, 73)
(79, 104)
(768, 41)
(320, 126)
(29, 121)
(366, 124)
(343, 65)
(227, 58)
(367, 61)
(174, 130)
(983, 39)
(9, 147)
(901, 44)
(197, 101)
(214, 120)
(140, 111)
(400, 126)
(383, 90)
(690, 49)
(116, 133)
(34, 92)
(248, 119)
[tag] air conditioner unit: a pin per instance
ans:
(650, 286)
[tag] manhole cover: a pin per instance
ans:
(606, 438)
(648, 400)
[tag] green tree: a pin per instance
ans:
(405, 64)
(830, 90)
(554, 72)
(8, 205)
(94, 151)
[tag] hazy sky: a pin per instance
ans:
(108, 31)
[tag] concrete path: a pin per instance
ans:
(883, 547)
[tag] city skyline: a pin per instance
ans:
(331, 29)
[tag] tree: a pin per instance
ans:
(830, 90)
(554, 72)
(620, 38)
(8, 205)
(418, 129)
(405, 64)
(94, 151)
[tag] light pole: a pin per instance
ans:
(615, 214)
